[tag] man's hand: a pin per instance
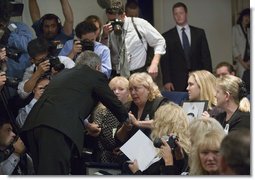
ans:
(3, 54)
(169, 86)
(2, 79)
(19, 147)
(153, 70)
(43, 67)
(107, 29)
(93, 129)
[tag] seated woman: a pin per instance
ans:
(146, 98)
(231, 97)
(170, 119)
(108, 149)
(206, 136)
(201, 86)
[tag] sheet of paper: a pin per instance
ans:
(141, 148)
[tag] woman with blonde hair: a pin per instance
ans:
(146, 98)
(170, 120)
(107, 146)
(201, 86)
(206, 136)
(231, 97)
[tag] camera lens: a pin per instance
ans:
(157, 142)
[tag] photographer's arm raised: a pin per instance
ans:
(68, 14)
(34, 10)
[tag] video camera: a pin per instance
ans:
(12, 53)
(170, 141)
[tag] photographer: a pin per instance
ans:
(127, 39)
(170, 120)
(14, 160)
(42, 65)
(40, 87)
(49, 26)
(15, 38)
(86, 40)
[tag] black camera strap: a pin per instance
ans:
(138, 33)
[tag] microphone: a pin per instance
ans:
(105, 4)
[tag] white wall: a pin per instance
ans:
(212, 15)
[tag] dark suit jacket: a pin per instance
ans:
(173, 63)
(69, 98)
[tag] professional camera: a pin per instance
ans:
(12, 82)
(12, 53)
(170, 140)
(87, 45)
(117, 26)
(55, 63)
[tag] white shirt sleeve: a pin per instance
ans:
(8, 166)
(67, 62)
(27, 75)
(23, 112)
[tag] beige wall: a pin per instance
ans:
(214, 16)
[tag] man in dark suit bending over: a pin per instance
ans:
(55, 126)
(186, 50)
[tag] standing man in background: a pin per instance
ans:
(186, 50)
(49, 26)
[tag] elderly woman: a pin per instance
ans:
(201, 86)
(107, 145)
(206, 136)
(231, 97)
(146, 98)
(170, 119)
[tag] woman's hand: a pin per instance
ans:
(134, 166)
(166, 153)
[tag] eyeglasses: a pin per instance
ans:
(135, 88)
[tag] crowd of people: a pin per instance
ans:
(97, 80)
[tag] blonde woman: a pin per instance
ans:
(201, 86)
(206, 136)
(231, 97)
(108, 148)
(170, 119)
(146, 98)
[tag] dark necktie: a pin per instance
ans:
(186, 47)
